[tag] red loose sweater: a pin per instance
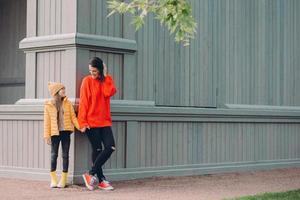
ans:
(94, 105)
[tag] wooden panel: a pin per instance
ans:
(159, 144)
(145, 60)
(2, 143)
(49, 66)
(256, 44)
(245, 52)
(22, 144)
(55, 17)
(164, 144)
(92, 19)
(172, 74)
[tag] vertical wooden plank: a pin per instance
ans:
(51, 67)
(25, 143)
(57, 66)
(15, 134)
(40, 136)
(35, 149)
(30, 144)
(154, 139)
(68, 71)
(218, 144)
(93, 16)
(151, 58)
(9, 143)
(190, 143)
(228, 142)
(174, 142)
(39, 75)
(1, 143)
(210, 141)
(214, 148)
(57, 19)
(113, 158)
(165, 147)
(160, 144)
(204, 143)
(47, 74)
(131, 147)
(52, 17)
(5, 142)
(32, 18)
(169, 143)
(68, 17)
(31, 71)
(148, 142)
(195, 143)
(41, 17)
(130, 71)
(47, 17)
(183, 155)
(84, 16)
(122, 149)
(130, 75)
(200, 142)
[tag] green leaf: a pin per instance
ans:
(176, 15)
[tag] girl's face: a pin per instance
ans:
(94, 72)
(62, 92)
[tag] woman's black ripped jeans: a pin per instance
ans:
(97, 137)
(64, 138)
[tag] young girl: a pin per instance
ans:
(59, 122)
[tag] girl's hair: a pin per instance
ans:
(98, 63)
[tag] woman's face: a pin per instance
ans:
(62, 92)
(94, 72)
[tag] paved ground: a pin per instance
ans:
(206, 187)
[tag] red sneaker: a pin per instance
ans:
(90, 181)
(105, 185)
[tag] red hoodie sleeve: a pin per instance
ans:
(109, 88)
(83, 104)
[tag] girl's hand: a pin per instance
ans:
(104, 69)
(48, 141)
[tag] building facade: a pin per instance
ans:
(228, 102)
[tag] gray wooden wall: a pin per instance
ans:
(227, 102)
(156, 142)
(245, 52)
(12, 60)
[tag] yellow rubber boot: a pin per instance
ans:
(53, 179)
(63, 180)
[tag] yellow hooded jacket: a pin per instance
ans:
(50, 118)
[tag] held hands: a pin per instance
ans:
(84, 129)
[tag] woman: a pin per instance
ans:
(95, 120)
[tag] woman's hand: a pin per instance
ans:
(104, 70)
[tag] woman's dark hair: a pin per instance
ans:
(98, 63)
